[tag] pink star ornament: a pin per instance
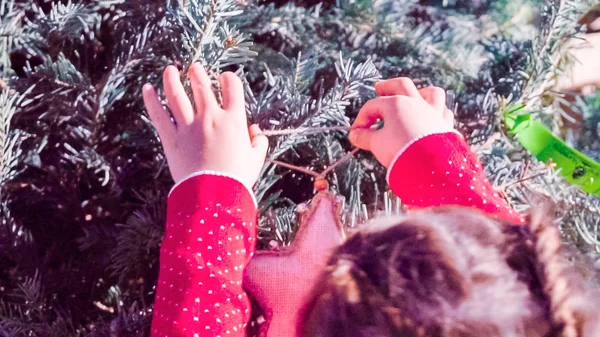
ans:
(281, 280)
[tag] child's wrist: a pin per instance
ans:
(410, 143)
(217, 174)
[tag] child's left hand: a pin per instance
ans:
(209, 138)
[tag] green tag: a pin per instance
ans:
(539, 140)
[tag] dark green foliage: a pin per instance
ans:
(83, 176)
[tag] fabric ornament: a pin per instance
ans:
(281, 280)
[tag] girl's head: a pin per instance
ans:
(450, 272)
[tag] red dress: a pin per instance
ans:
(211, 232)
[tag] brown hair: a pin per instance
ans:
(450, 272)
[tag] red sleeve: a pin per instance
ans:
(440, 169)
(209, 239)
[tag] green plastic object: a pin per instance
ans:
(546, 147)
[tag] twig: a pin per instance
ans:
(294, 167)
(311, 172)
(305, 130)
(506, 186)
(341, 160)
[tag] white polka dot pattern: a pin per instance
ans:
(209, 239)
(441, 169)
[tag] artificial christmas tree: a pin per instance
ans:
(84, 180)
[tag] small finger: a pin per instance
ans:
(370, 112)
(232, 90)
(259, 141)
(158, 115)
(204, 97)
(362, 138)
(180, 104)
(435, 96)
(448, 118)
(397, 86)
(361, 134)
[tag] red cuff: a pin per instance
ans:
(440, 169)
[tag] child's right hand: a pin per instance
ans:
(407, 113)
